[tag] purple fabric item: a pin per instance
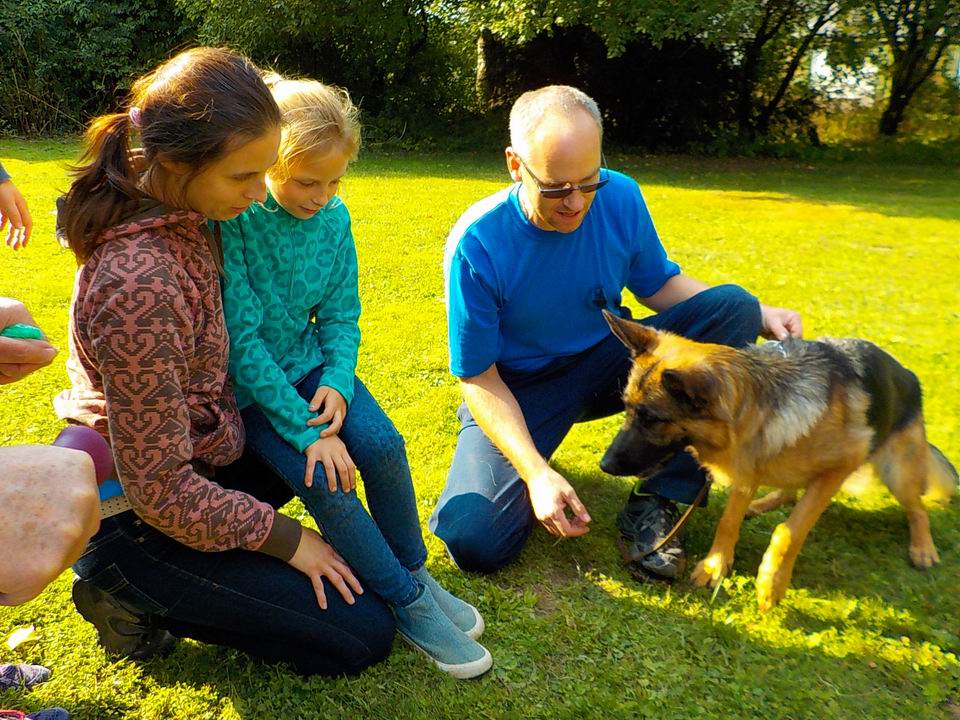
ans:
(80, 437)
(22, 676)
(49, 714)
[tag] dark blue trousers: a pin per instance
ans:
(484, 515)
(240, 599)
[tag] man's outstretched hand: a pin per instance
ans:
(551, 497)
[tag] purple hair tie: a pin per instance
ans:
(134, 114)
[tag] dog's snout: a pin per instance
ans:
(615, 460)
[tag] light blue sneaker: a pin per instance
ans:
(464, 615)
(424, 625)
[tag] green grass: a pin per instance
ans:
(859, 249)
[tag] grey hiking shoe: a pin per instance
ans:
(21, 676)
(644, 523)
(124, 631)
(424, 625)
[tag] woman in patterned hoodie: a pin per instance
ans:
(201, 552)
(291, 302)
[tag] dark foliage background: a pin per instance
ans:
(702, 75)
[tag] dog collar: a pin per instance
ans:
(774, 346)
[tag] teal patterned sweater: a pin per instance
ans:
(291, 303)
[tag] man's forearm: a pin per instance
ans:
(498, 414)
(675, 290)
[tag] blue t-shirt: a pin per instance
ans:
(523, 297)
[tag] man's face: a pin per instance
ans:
(563, 150)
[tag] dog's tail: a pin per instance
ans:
(942, 477)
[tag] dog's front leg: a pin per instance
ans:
(715, 566)
(776, 568)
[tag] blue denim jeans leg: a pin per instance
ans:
(240, 599)
(484, 515)
(381, 546)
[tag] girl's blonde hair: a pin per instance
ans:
(315, 117)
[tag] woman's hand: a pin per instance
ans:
(334, 410)
(317, 560)
(336, 461)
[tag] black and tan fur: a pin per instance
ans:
(801, 419)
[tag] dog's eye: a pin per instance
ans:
(643, 416)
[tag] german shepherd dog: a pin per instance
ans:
(800, 416)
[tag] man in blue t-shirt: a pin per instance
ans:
(528, 271)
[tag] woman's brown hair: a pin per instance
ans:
(192, 109)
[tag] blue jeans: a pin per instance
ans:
(384, 548)
(484, 515)
(240, 599)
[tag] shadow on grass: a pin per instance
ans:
(854, 559)
(568, 615)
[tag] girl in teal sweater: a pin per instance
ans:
(292, 305)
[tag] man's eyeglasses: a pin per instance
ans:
(552, 192)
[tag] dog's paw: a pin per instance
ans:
(924, 556)
(770, 591)
(711, 570)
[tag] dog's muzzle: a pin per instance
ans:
(630, 455)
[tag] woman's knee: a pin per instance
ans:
(374, 631)
(349, 651)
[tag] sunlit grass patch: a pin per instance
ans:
(859, 249)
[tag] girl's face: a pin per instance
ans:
(228, 186)
(314, 178)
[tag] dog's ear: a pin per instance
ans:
(692, 389)
(636, 336)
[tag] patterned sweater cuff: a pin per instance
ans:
(284, 538)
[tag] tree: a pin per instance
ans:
(767, 41)
(65, 60)
(776, 37)
(379, 49)
(917, 33)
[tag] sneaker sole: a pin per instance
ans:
(479, 626)
(640, 572)
(462, 671)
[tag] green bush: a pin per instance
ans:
(64, 61)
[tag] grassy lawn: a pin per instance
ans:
(859, 249)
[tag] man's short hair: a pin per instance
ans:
(531, 107)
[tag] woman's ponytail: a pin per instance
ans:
(104, 187)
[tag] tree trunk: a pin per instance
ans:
(896, 107)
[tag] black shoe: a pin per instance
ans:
(644, 523)
(124, 631)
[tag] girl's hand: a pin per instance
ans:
(317, 560)
(334, 410)
(336, 461)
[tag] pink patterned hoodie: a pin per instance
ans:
(148, 367)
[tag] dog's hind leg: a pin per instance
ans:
(776, 568)
(771, 501)
(902, 462)
(715, 566)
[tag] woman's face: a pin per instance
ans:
(228, 186)
(314, 178)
